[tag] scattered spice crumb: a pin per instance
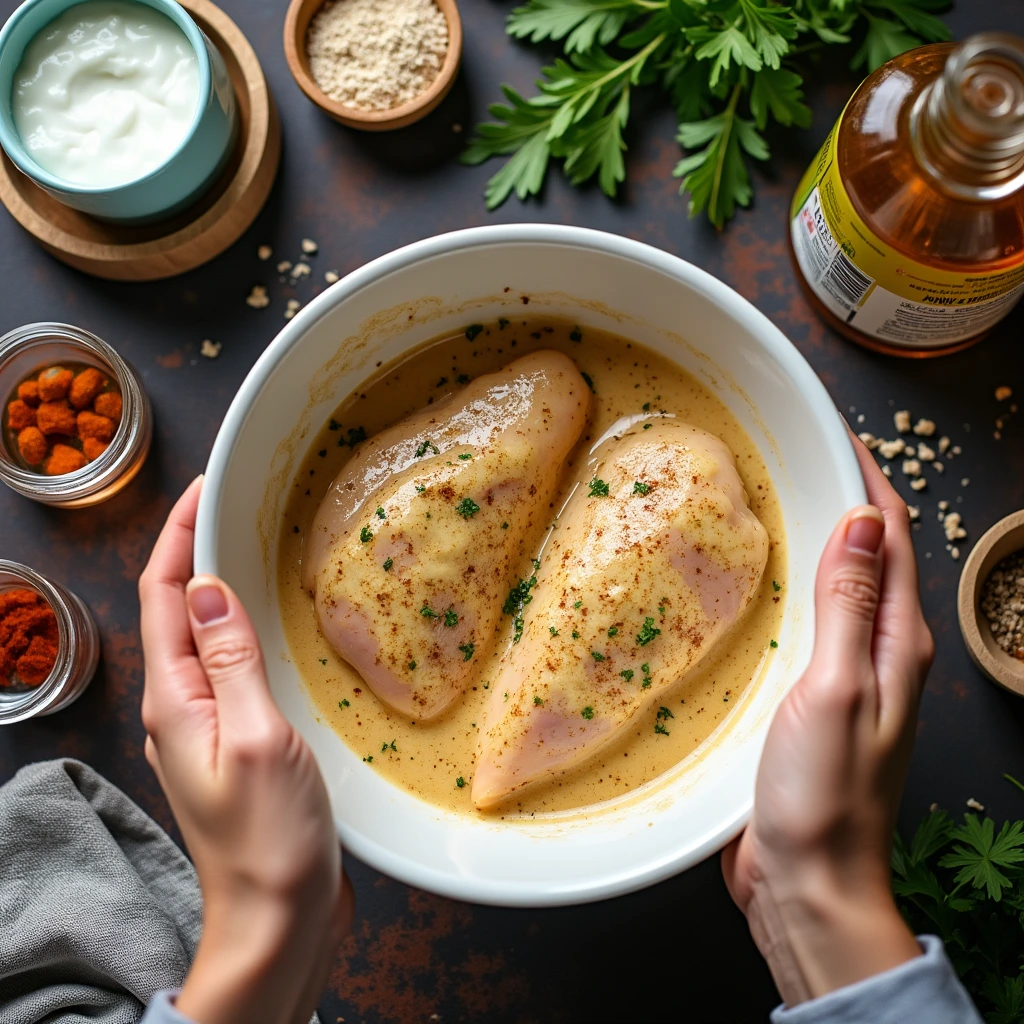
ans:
(975, 805)
(210, 349)
(264, 252)
(258, 297)
(309, 247)
(924, 428)
(887, 470)
(292, 307)
(915, 513)
(918, 483)
(284, 266)
(1003, 393)
(331, 276)
(911, 467)
(890, 449)
(944, 443)
(301, 270)
(869, 441)
(902, 421)
(965, 481)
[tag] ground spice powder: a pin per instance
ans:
(376, 54)
(28, 638)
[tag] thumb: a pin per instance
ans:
(230, 654)
(848, 586)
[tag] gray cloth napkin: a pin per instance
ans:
(98, 908)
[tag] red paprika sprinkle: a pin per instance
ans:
(28, 638)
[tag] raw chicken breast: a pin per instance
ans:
(418, 536)
(651, 562)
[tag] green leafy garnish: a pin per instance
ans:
(575, 334)
(587, 712)
(664, 712)
(473, 330)
(427, 612)
(578, 604)
(426, 446)
(966, 883)
(460, 782)
(504, 526)
(467, 508)
(465, 456)
(727, 67)
(518, 598)
(552, 631)
(575, 634)
(647, 632)
(627, 674)
(323, 661)
(773, 643)
(388, 746)
(366, 535)
(344, 703)
(467, 649)
(502, 323)
(537, 702)
(388, 562)
(354, 437)
(659, 727)
(598, 489)
(647, 426)
(380, 513)
(641, 488)
(412, 665)
(775, 586)
(450, 618)
(597, 655)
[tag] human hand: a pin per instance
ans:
(811, 870)
(246, 793)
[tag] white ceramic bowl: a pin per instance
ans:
(439, 285)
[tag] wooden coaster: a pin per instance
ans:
(152, 251)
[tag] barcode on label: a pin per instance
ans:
(845, 281)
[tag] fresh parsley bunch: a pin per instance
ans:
(966, 884)
(726, 66)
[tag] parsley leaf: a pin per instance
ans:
(598, 489)
(467, 508)
(707, 56)
(451, 619)
(467, 649)
(587, 712)
(648, 631)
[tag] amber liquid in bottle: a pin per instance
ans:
(931, 153)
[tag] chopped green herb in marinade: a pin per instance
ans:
(537, 701)
(467, 650)
(427, 446)
(473, 330)
(597, 655)
(647, 632)
(598, 489)
(465, 456)
(467, 508)
(366, 535)
(388, 563)
(344, 703)
(641, 488)
(660, 729)
(451, 619)
(587, 712)
(627, 674)
(460, 782)
(380, 513)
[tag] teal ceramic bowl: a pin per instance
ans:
(182, 178)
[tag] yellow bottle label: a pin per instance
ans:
(876, 289)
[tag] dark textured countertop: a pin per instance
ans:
(678, 951)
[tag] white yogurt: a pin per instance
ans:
(106, 92)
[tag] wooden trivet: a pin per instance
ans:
(152, 251)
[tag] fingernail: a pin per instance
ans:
(865, 530)
(207, 603)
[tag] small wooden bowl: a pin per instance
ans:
(296, 25)
(1003, 539)
(149, 252)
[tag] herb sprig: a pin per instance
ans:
(726, 67)
(966, 884)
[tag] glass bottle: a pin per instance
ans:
(78, 648)
(34, 346)
(908, 229)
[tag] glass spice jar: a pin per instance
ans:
(35, 346)
(78, 649)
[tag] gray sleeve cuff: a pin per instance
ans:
(923, 989)
(161, 1010)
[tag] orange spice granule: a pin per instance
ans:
(108, 404)
(62, 418)
(28, 392)
(29, 638)
(86, 387)
(20, 415)
(54, 383)
(91, 425)
(56, 417)
(33, 445)
(64, 459)
(93, 449)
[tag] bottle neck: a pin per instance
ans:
(967, 127)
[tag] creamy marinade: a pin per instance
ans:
(430, 758)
